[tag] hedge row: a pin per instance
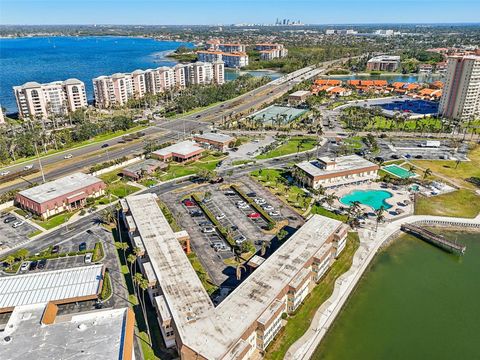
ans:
(106, 287)
(252, 203)
(214, 220)
(98, 252)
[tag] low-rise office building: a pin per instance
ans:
(246, 321)
(384, 63)
(64, 194)
(145, 167)
(180, 152)
(40, 331)
(334, 172)
(298, 97)
(215, 141)
(58, 98)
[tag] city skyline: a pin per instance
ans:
(126, 12)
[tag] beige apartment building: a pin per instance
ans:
(269, 51)
(41, 101)
(230, 59)
(244, 324)
(384, 63)
(461, 93)
(117, 89)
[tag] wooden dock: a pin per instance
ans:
(434, 239)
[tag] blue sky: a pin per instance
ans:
(236, 11)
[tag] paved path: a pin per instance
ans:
(370, 242)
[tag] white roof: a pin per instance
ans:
(342, 163)
(300, 93)
(183, 148)
(60, 187)
(96, 335)
(214, 332)
(215, 137)
(45, 286)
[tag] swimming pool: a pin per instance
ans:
(373, 198)
(398, 171)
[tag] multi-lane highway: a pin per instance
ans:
(164, 130)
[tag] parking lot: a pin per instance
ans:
(415, 149)
(226, 205)
(10, 236)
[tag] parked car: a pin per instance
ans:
(41, 264)
(82, 246)
(88, 258)
(254, 215)
(208, 230)
(274, 213)
(252, 194)
(207, 200)
(229, 192)
(9, 219)
(33, 265)
(16, 224)
(195, 213)
(68, 156)
(55, 249)
(188, 202)
(418, 157)
(218, 180)
(220, 216)
(268, 207)
(25, 265)
(395, 156)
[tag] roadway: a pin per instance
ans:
(163, 130)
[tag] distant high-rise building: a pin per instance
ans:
(44, 100)
(461, 93)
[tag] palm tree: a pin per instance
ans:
(141, 283)
(131, 260)
(427, 173)
(411, 169)
(379, 216)
(330, 198)
(238, 271)
(122, 246)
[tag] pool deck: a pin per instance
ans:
(399, 195)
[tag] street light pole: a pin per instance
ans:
(39, 162)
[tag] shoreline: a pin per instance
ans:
(371, 243)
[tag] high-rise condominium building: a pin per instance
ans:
(384, 63)
(461, 93)
(42, 101)
(117, 89)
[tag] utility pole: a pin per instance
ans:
(39, 161)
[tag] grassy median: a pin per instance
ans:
(298, 323)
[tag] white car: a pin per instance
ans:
(28, 167)
(220, 216)
(25, 266)
(17, 224)
(4, 173)
(88, 258)
(208, 230)
(268, 207)
(274, 213)
(245, 206)
(68, 156)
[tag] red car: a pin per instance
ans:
(187, 202)
(254, 215)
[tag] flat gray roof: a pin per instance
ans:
(214, 332)
(48, 286)
(60, 187)
(342, 163)
(96, 335)
(215, 137)
(144, 165)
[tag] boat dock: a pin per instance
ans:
(434, 239)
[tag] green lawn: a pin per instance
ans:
(275, 180)
(176, 170)
(298, 323)
(450, 169)
(293, 145)
(55, 220)
(121, 189)
(319, 210)
(460, 203)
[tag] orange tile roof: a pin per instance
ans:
(437, 84)
(331, 82)
(412, 86)
(398, 85)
